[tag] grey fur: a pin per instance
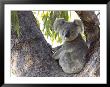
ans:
(72, 53)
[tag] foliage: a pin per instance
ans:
(15, 22)
(48, 18)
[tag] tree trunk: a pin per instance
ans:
(92, 32)
(31, 55)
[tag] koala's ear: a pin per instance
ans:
(57, 22)
(80, 24)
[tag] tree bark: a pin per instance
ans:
(92, 32)
(31, 55)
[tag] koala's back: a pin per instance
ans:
(73, 55)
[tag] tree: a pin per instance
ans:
(92, 32)
(31, 55)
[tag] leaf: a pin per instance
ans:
(48, 17)
(15, 22)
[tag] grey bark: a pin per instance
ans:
(31, 55)
(92, 32)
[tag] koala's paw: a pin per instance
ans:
(70, 66)
(55, 56)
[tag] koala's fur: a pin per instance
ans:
(72, 53)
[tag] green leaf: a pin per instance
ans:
(15, 22)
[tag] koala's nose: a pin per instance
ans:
(67, 34)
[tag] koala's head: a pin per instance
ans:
(68, 30)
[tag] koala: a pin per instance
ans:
(71, 54)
